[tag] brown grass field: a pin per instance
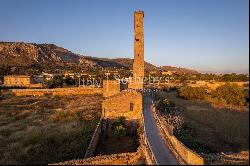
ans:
(219, 130)
(43, 130)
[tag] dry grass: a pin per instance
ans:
(31, 133)
(217, 130)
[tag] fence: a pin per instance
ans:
(184, 154)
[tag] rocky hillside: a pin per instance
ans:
(28, 54)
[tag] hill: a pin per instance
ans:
(120, 62)
(28, 54)
(178, 70)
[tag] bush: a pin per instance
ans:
(67, 116)
(140, 130)
(169, 89)
(186, 135)
(246, 85)
(59, 81)
(246, 93)
(188, 92)
(119, 131)
(120, 121)
(165, 105)
(229, 94)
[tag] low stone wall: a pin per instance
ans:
(149, 158)
(94, 140)
(56, 91)
(114, 159)
(25, 86)
(183, 153)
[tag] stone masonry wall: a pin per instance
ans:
(16, 80)
(57, 91)
(138, 67)
(114, 159)
(94, 140)
(127, 104)
(111, 87)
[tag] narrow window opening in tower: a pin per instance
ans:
(137, 39)
(131, 106)
(138, 55)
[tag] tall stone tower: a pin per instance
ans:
(138, 66)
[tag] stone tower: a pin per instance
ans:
(138, 66)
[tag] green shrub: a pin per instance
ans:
(229, 94)
(140, 130)
(188, 92)
(169, 89)
(67, 116)
(246, 93)
(120, 121)
(119, 131)
(165, 105)
(186, 135)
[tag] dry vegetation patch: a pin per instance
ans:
(42, 130)
(208, 129)
(118, 136)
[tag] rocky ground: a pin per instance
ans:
(229, 158)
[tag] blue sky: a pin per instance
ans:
(206, 35)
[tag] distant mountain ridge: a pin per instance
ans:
(27, 54)
(179, 70)
(120, 62)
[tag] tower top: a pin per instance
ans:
(139, 12)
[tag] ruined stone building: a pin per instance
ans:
(22, 81)
(127, 102)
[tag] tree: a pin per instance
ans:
(120, 121)
(4, 70)
(229, 94)
(166, 105)
(119, 131)
(188, 92)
